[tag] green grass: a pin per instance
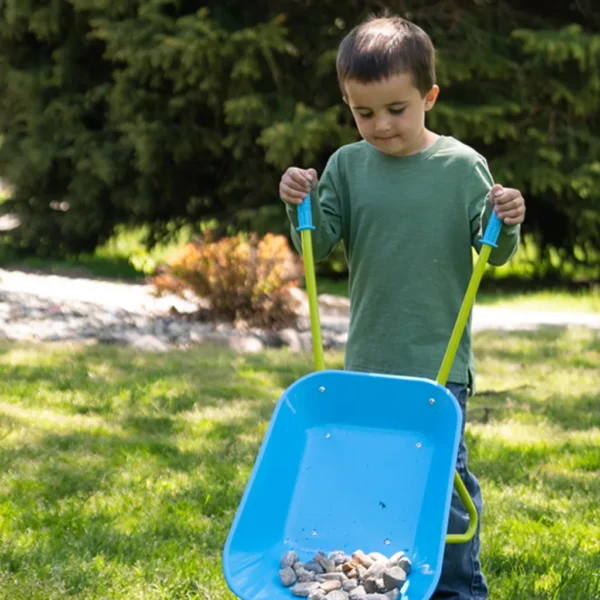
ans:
(587, 300)
(499, 296)
(123, 256)
(120, 472)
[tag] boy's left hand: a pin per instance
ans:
(509, 204)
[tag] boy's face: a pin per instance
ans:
(390, 114)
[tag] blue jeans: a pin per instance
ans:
(461, 577)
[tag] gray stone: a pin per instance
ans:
(360, 570)
(375, 571)
(306, 341)
(298, 566)
(405, 564)
(246, 344)
(303, 590)
(303, 323)
(287, 576)
(332, 577)
(306, 576)
(272, 339)
(339, 557)
(289, 559)
(178, 329)
(331, 585)
(393, 594)
(377, 556)
(337, 304)
(357, 593)
(394, 577)
(291, 338)
(337, 595)
(315, 567)
(370, 586)
(317, 594)
(159, 328)
(376, 596)
(364, 560)
(327, 564)
(349, 585)
(150, 343)
(395, 559)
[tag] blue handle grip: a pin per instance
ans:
(305, 214)
(492, 231)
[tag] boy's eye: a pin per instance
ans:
(365, 115)
(397, 111)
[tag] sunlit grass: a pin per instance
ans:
(120, 472)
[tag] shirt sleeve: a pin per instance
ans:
(480, 210)
(326, 214)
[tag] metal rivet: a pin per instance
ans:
(321, 389)
(313, 533)
(431, 401)
(419, 444)
(327, 436)
(387, 542)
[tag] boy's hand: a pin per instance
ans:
(509, 204)
(296, 183)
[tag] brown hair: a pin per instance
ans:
(384, 46)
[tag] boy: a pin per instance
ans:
(409, 205)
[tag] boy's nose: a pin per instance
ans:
(382, 125)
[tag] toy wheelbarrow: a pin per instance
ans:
(354, 461)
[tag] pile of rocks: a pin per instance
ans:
(54, 308)
(341, 577)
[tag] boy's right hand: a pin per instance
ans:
(296, 183)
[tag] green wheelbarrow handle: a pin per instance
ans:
(305, 227)
(488, 242)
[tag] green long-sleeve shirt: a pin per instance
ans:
(408, 225)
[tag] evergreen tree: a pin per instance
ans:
(162, 111)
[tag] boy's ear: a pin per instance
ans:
(431, 97)
(345, 99)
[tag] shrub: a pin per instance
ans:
(244, 279)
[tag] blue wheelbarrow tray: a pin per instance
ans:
(349, 461)
(354, 461)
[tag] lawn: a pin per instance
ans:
(586, 299)
(120, 472)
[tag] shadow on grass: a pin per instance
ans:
(87, 494)
(107, 379)
(579, 413)
(540, 347)
(175, 440)
(536, 464)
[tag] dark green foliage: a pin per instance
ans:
(158, 111)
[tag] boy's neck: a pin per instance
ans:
(425, 140)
